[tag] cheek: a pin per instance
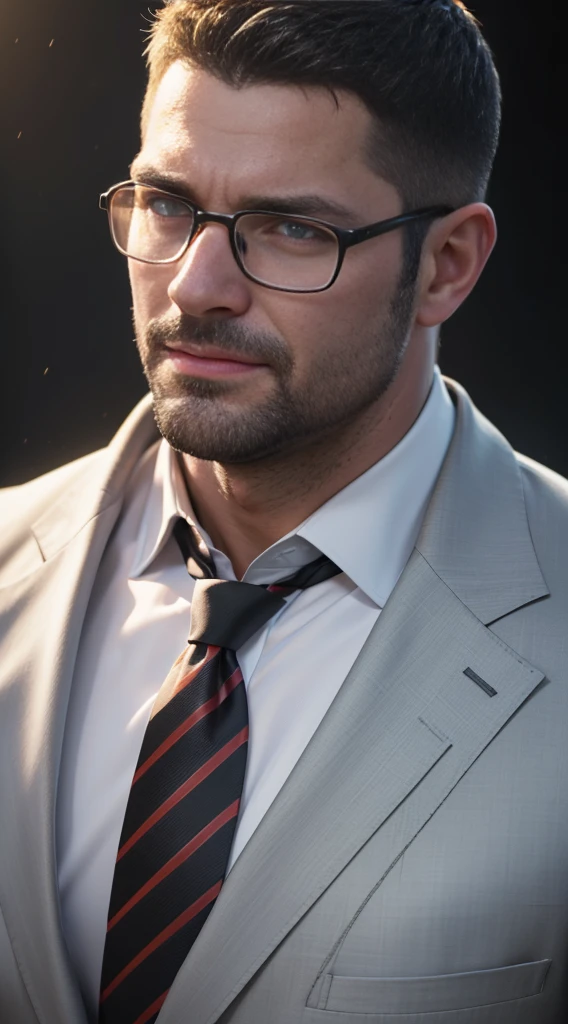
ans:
(318, 327)
(370, 274)
(149, 286)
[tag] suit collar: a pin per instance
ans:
(476, 534)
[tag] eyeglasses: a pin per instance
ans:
(287, 253)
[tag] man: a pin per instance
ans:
(347, 800)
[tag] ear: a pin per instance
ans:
(455, 253)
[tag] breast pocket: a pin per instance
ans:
(432, 994)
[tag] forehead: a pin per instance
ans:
(262, 133)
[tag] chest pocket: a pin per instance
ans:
(433, 994)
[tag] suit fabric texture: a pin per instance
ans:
(414, 867)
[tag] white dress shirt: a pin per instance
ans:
(137, 623)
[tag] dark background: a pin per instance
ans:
(71, 83)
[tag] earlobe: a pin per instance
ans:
(455, 255)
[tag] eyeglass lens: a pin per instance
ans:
(274, 249)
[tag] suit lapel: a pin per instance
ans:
(40, 621)
(430, 689)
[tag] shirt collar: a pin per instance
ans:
(368, 529)
(167, 500)
(385, 507)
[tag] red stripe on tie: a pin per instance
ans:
(179, 858)
(186, 788)
(195, 669)
(179, 922)
(156, 1005)
(214, 702)
(166, 695)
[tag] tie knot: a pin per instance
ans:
(227, 613)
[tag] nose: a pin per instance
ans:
(208, 280)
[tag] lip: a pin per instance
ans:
(208, 361)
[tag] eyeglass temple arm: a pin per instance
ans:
(382, 227)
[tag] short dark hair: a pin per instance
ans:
(421, 67)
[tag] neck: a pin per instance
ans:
(247, 508)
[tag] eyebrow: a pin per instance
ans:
(309, 204)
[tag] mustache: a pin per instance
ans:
(227, 335)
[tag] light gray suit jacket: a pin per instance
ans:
(414, 867)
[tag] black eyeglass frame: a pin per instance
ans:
(346, 237)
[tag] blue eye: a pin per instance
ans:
(166, 206)
(297, 231)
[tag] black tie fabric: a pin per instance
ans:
(185, 796)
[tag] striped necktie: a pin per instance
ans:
(184, 799)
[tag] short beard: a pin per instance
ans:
(196, 418)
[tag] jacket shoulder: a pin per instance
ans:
(25, 502)
(21, 506)
(36, 518)
(543, 486)
(546, 501)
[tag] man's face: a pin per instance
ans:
(316, 362)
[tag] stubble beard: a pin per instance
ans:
(199, 418)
